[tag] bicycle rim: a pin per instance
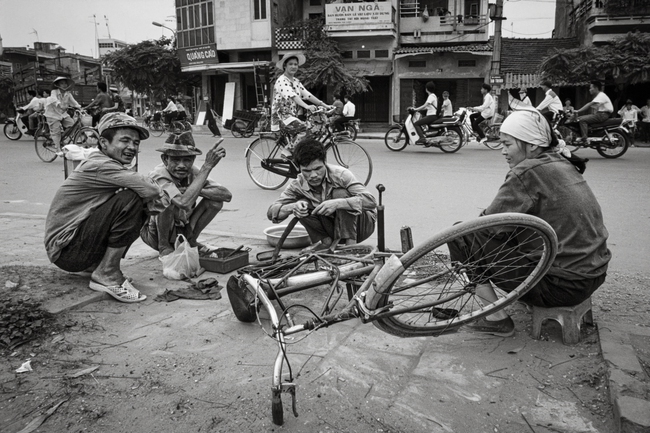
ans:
(493, 135)
(432, 294)
(352, 156)
(45, 148)
(156, 128)
(259, 150)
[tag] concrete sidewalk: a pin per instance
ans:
(421, 376)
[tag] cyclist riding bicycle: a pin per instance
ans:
(289, 94)
(56, 109)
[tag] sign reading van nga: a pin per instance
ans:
(357, 13)
(203, 55)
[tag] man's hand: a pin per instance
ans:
(326, 208)
(301, 209)
(312, 108)
(215, 154)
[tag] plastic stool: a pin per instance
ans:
(569, 318)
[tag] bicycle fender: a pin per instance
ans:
(382, 280)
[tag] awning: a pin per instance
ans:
(476, 49)
(370, 67)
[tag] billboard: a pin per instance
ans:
(358, 13)
(196, 56)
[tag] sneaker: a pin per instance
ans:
(500, 328)
(421, 141)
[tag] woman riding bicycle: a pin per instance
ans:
(289, 94)
(56, 109)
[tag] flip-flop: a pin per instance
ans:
(88, 274)
(124, 293)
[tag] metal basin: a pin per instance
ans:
(298, 238)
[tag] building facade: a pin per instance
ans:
(398, 45)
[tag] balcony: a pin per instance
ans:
(611, 18)
(290, 38)
(441, 29)
(360, 19)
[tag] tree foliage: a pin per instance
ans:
(324, 66)
(623, 62)
(6, 95)
(150, 67)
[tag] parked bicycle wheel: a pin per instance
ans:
(430, 294)
(395, 140)
(453, 140)
(45, 148)
(86, 136)
(258, 151)
(349, 154)
(12, 132)
(156, 128)
(493, 134)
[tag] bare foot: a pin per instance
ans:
(113, 279)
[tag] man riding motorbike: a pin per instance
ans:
(604, 109)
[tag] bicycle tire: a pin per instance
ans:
(237, 129)
(493, 134)
(617, 147)
(86, 136)
(277, 412)
(394, 139)
(44, 145)
(260, 149)
(12, 132)
(351, 155)
(156, 128)
(444, 298)
(457, 136)
(352, 131)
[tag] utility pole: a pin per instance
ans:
(496, 15)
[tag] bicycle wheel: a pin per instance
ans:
(351, 130)
(453, 140)
(258, 151)
(394, 139)
(352, 156)
(493, 134)
(430, 293)
(614, 148)
(238, 128)
(45, 148)
(12, 132)
(156, 128)
(86, 136)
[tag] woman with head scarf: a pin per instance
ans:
(543, 183)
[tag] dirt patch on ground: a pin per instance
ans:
(111, 367)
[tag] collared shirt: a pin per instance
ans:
(487, 108)
(284, 108)
(172, 186)
(551, 102)
(57, 104)
(360, 200)
(34, 104)
(603, 102)
(349, 109)
(631, 114)
(94, 181)
(170, 108)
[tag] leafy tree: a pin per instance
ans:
(150, 67)
(324, 66)
(6, 95)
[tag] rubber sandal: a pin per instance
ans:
(124, 293)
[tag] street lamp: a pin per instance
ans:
(157, 24)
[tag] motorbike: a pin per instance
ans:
(445, 133)
(15, 127)
(610, 138)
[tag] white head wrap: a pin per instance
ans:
(528, 125)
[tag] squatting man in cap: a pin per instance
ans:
(100, 208)
(185, 183)
(327, 199)
(543, 183)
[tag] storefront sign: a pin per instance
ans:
(358, 13)
(203, 55)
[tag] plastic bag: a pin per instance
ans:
(183, 263)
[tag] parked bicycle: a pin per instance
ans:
(270, 166)
(492, 130)
(157, 125)
(79, 134)
(420, 293)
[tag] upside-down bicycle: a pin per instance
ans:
(423, 292)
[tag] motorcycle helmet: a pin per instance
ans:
(63, 83)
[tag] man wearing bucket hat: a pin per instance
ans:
(56, 108)
(184, 183)
(99, 209)
(543, 183)
(289, 94)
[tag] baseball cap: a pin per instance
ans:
(121, 120)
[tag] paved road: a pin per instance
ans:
(426, 189)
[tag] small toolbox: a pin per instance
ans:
(224, 260)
